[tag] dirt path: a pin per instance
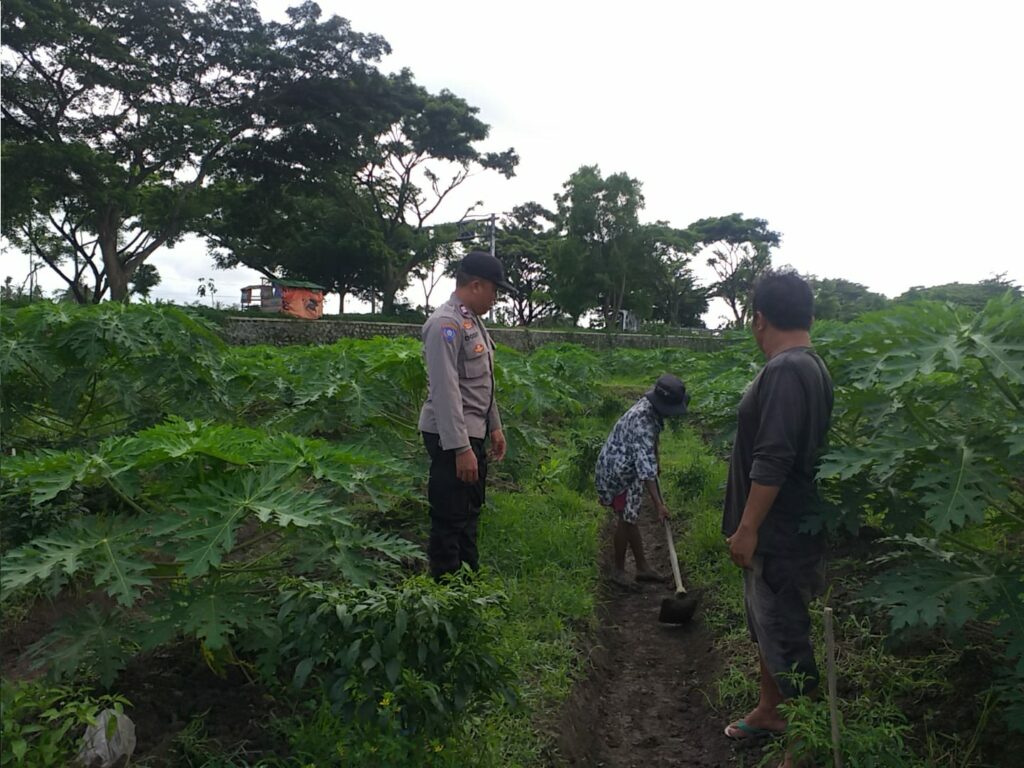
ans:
(647, 701)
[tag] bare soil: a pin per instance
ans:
(648, 698)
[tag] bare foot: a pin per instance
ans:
(759, 724)
(619, 578)
(650, 575)
(768, 719)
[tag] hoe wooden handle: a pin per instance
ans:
(672, 556)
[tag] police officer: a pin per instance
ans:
(460, 412)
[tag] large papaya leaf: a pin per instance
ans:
(107, 550)
(203, 547)
(93, 638)
(46, 474)
(119, 569)
(178, 438)
(219, 609)
(53, 558)
(958, 486)
(997, 338)
(930, 586)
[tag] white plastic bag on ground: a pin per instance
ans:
(109, 743)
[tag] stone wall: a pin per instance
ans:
(278, 331)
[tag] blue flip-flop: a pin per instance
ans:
(748, 731)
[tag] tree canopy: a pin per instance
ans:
(129, 123)
(843, 300)
(739, 251)
(972, 295)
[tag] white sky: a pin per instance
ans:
(882, 139)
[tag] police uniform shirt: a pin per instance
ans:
(459, 355)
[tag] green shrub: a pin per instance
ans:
(407, 660)
(42, 724)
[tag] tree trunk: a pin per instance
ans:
(388, 298)
(117, 275)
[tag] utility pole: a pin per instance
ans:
(468, 229)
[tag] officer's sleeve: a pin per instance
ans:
(493, 417)
(441, 342)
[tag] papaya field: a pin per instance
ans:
(227, 544)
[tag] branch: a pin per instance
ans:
(457, 179)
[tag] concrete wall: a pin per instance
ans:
(276, 331)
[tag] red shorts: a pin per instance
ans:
(619, 503)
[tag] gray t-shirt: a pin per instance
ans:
(782, 422)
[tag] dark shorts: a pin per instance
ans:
(777, 591)
(454, 508)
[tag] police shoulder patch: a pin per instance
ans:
(449, 332)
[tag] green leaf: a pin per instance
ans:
(216, 611)
(121, 574)
(302, 670)
(392, 670)
(42, 559)
(957, 486)
(931, 586)
(210, 543)
(1005, 358)
(88, 637)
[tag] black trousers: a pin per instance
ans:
(454, 508)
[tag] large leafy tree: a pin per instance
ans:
(839, 299)
(739, 251)
(972, 295)
(324, 232)
(676, 297)
(524, 239)
(604, 252)
(411, 168)
(120, 113)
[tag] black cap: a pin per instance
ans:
(482, 264)
(669, 396)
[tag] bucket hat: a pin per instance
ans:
(669, 396)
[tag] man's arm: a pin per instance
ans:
(743, 543)
(498, 444)
(659, 503)
(441, 342)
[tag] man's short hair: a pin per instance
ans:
(785, 299)
(461, 279)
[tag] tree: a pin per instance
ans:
(603, 251)
(971, 295)
(411, 167)
(843, 300)
(740, 252)
(523, 241)
(120, 113)
(677, 299)
(325, 233)
(145, 279)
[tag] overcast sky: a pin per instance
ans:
(882, 139)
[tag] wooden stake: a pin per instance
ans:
(833, 706)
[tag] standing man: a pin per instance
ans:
(781, 427)
(460, 412)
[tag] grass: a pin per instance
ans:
(542, 547)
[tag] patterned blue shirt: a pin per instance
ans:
(629, 455)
